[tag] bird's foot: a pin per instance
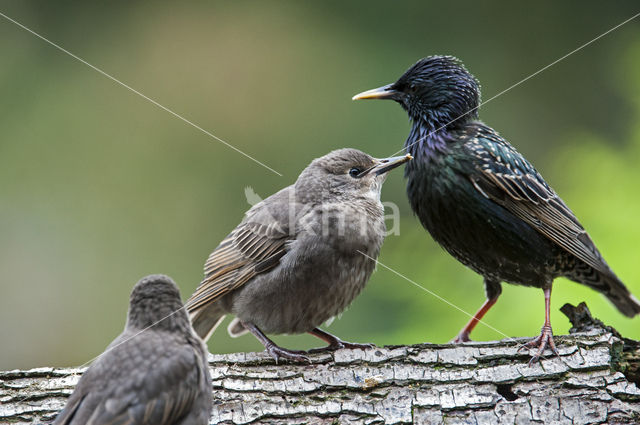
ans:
(334, 342)
(339, 344)
(294, 355)
(542, 342)
(460, 338)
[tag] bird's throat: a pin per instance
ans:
(426, 140)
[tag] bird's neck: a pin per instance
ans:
(427, 139)
(168, 316)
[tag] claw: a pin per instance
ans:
(356, 346)
(544, 340)
(334, 342)
(339, 344)
(460, 338)
(293, 355)
(271, 347)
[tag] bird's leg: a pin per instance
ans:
(274, 350)
(463, 335)
(546, 334)
(334, 342)
(493, 289)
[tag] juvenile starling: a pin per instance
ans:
(484, 202)
(296, 260)
(154, 373)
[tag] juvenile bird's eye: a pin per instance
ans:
(354, 172)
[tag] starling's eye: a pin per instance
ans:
(354, 172)
(412, 88)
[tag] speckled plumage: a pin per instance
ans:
(154, 373)
(481, 200)
(299, 257)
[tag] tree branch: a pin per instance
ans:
(593, 381)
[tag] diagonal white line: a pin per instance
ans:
(112, 348)
(511, 339)
(434, 294)
(131, 337)
(521, 81)
(109, 76)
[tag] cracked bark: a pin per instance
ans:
(593, 381)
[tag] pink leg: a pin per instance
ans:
(546, 333)
(463, 336)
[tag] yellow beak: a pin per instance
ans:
(384, 92)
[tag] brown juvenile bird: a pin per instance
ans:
(299, 257)
(154, 373)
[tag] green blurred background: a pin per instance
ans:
(99, 187)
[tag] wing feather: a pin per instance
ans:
(504, 176)
(252, 248)
(108, 394)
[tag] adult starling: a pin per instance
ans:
(296, 260)
(483, 202)
(153, 373)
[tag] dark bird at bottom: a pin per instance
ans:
(483, 202)
(299, 257)
(153, 373)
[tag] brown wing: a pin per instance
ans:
(252, 248)
(508, 179)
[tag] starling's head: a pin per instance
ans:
(345, 174)
(435, 90)
(155, 301)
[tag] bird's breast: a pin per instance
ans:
(348, 227)
(324, 269)
(476, 231)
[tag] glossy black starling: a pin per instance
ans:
(296, 260)
(154, 373)
(484, 202)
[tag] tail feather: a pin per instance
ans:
(608, 285)
(206, 319)
(620, 296)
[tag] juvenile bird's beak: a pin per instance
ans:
(384, 92)
(389, 164)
